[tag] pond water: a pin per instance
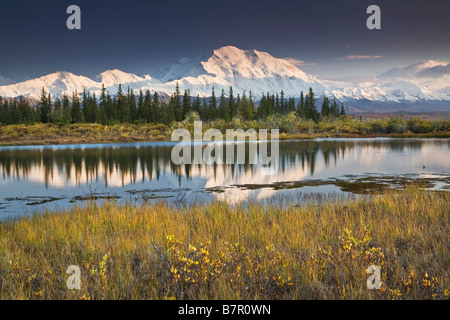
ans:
(34, 178)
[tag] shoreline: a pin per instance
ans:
(50, 134)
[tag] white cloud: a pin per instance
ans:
(423, 69)
(358, 57)
(435, 72)
(298, 63)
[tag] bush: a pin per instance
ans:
(397, 125)
(420, 126)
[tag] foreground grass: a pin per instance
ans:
(216, 251)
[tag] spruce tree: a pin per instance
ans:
(291, 105)
(197, 105)
(261, 111)
(24, 110)
(186, 103)
(212, 108)
(67, 109)
(342, 113)
(176, 105)
(45, 106)
(301, 106)
(57, 113)
(123, 114)
(103, 116)
(169, 112)
(245, 108)
(141, 106)
(15, 114)
(111, 109)
(334, 109)
(85, 106)
(132, 105)
(204, 113)
(281, 102)
(277, 104)
(155, 110)
(224, 108)
(325, 112)
(232, 103)
(94, 109)
(77, 115)
(251, 106)
(310, 106)
(5, 115)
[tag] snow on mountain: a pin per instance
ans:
(255, 71)
(231, 62)
(432, 77)
(112, 78)
(56, 84)
(426, 80)
(396, 91)
(182, 69)
(244, 70)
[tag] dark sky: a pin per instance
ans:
(139, 36)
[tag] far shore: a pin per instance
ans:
(52, 134)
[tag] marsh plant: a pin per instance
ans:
(320, 249)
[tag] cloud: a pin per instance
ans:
(357, 57)
(298, 63)
(423, 69)
(435, 72)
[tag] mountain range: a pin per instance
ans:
(424, 86)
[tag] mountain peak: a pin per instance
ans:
(230, 62)
(115, 77)
(229, 52)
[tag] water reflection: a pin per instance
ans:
(72, 170)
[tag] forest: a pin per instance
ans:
(147, 107)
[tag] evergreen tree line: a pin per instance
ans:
(126, 107)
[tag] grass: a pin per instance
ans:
(48, 134)
(290, 126)
(319, 250)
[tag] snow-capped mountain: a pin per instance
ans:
(244, 70)
(255, 71)
(426, 80)
(230, 62)
(56, 83)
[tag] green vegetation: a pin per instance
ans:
(127, 108)
(148, 117)
(290, 126)
(319, 250)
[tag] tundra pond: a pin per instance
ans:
(35, 178)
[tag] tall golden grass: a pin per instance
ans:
(318, 250)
